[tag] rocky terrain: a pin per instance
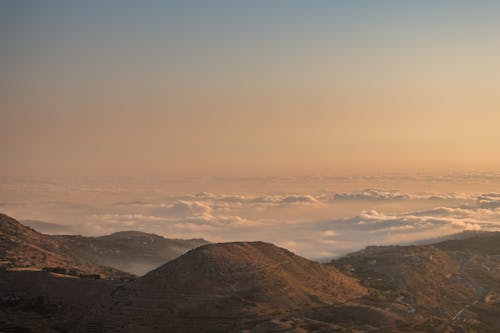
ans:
(451, 286)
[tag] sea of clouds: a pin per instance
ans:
(317, 224)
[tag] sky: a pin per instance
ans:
(248, 88)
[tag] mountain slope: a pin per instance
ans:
(258, 287)
(131, 251)
(222, 286)
(37, 301)
(48, 228)
(421, 274)
(22, 247)
(452, 286)
(449, 286)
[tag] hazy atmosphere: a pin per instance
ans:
(322, 127)
(233, 88)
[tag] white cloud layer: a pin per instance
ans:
(376, 194)
(316, 224)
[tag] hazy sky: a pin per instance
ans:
(183, 88)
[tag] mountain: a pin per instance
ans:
(452, 286)
(456, 236)
(255, 287)
(229, 286)
(47, 227)
(130, 251)
(422, 275)
(22, 247)
(486, 243)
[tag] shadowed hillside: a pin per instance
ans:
(33, 302)
(231, 285)
(452, 286)
(130, 251)
(24, 248)
(449, 286)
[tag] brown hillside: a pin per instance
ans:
(222, 285)
(23, 247)
(130, 251)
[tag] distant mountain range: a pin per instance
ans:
(130, 251)
(48, 227)
(133, 252)
(24, 248)
(451, 286)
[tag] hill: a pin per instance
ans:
(222, 287)
(24, 248)
(47, 227)
(130, 251)
(449, 286)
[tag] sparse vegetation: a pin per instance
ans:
(450, 286)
